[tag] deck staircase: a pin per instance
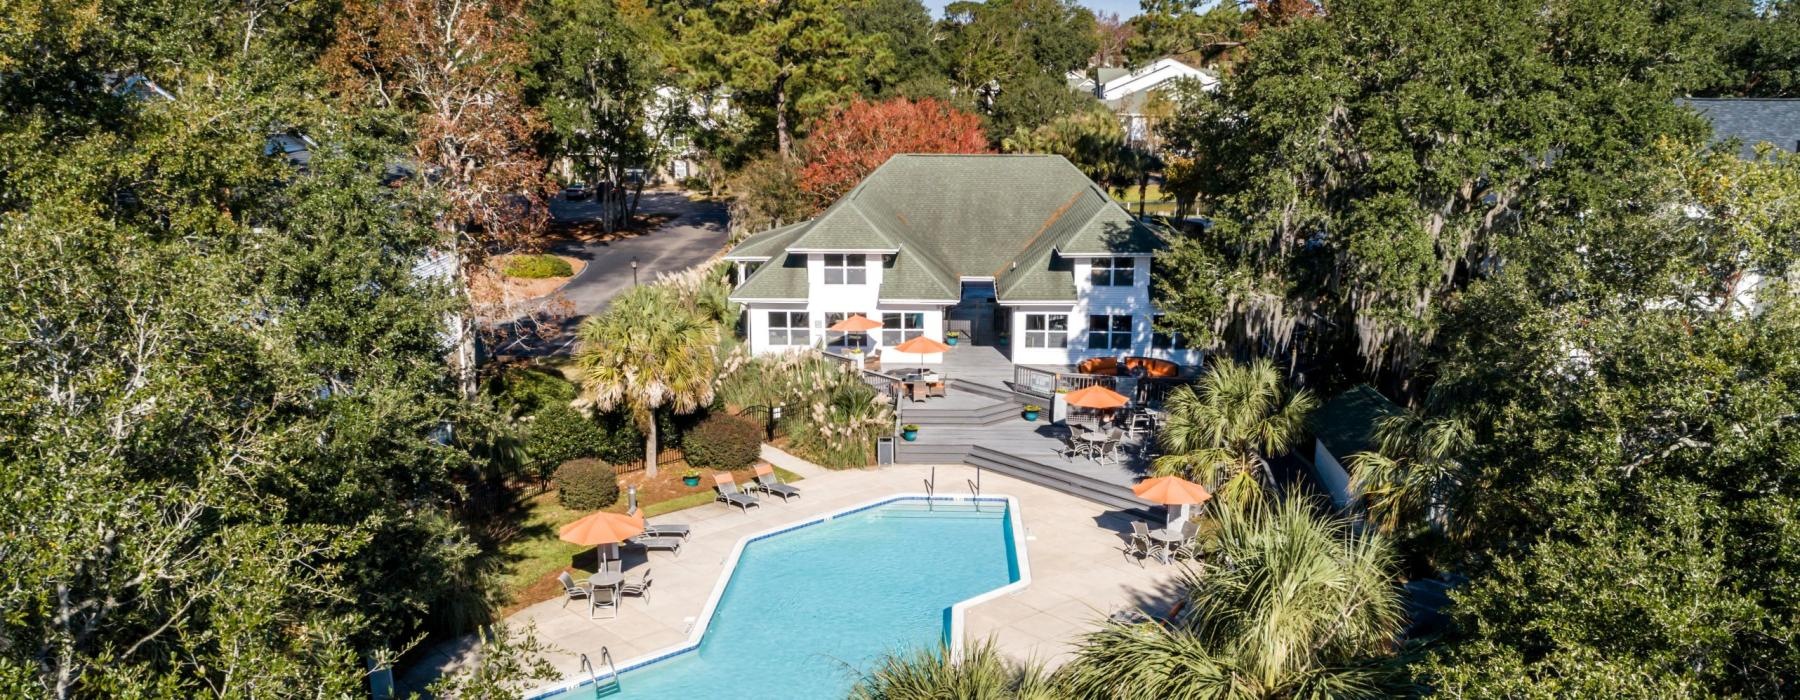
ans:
(1030, 470)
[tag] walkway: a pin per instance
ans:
(1079, 569)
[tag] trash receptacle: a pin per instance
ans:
(884, 450)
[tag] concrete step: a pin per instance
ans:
(1049, 475)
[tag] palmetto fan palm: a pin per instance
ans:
(1300, 607)
(1413, 470)
(647, 353)
(1221, 433)
(930, 674)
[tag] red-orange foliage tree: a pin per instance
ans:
(848, 143)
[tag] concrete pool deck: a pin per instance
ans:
(1080, 573)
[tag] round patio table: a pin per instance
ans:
(1166, 537)
(608, 578)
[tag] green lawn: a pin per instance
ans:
(536, 553)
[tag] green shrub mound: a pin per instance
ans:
(558, 434)
(723, 442)
(537, 267)
(587, 484)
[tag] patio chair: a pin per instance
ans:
(1142, 546)
(1078, 438)
(938, 388)
(1070, 448)
(916, 391)
(669, 544)
(603, 598)
(768, 482)
(570, 590)
(639, 588)
(730, 495)
(1109, 450)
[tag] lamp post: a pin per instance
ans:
(634, 264)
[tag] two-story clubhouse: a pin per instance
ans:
(1019, 252)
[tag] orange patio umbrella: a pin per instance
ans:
(1172, 491)
(923, 346)
(855, 323)
(1096, 396)
(603, 528)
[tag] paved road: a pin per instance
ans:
(697, 232)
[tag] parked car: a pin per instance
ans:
(634, 176)
(576, 191)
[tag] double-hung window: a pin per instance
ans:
(789, 328)
(1046, 330)
(1114, 272)
(846, 269)
(1109, 332)
(899, 328)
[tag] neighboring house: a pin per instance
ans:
(1342, 427)
(1024, 251)
(1127, 92)
(1752, 121)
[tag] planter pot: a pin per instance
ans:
(691, 480)
(1031, 415)
(951, 340)
(909, 435)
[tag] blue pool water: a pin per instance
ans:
(807, 610)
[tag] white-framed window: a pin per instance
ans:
(1166, 340)
(1109, 332)
(898, 328)
(846, 269)
(1046, 330)
(789, 328)
(1114, 272)
(842, 339)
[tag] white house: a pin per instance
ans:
(1022, 251)
(1127, 93)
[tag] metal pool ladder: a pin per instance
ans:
(611, 671)
(975, 490)
(931, 490)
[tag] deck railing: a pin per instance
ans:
(1046, 383)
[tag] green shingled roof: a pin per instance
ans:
(768, 244)
(1010, 217)
(1346, 423)
(781, 278)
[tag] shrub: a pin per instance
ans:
(620, 440)
(724, 442)
(537, 267)
(523, 391)
(587, 484)
(558, 434)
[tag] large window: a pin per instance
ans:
(1109, 332)
(1167, 340)
(789, 328)
(1046, 330)
(846, 269)
(899, 328)
(841, 339)
(1114, 272)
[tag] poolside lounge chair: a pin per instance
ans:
(603, 598)
(640, 587)
(730, 495)
(570, 590)
(665, 530)
(671, 544)
(768, 482)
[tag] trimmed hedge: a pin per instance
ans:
(587, 484)
(723, 442)
(537, 267)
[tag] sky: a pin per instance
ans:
(1124, 8)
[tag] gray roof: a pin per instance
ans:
(1346, 423)
(1752, 121)
(946, 217)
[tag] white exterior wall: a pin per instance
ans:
(1331, 474)
(1089, 299)
(862, 299)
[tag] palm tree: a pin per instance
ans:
(930, 674)
(1222, 433)
(1413, 471)
(647, 353)
(1299, 606)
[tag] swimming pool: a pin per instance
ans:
(809, 606)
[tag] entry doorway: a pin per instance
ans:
(976, 314)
